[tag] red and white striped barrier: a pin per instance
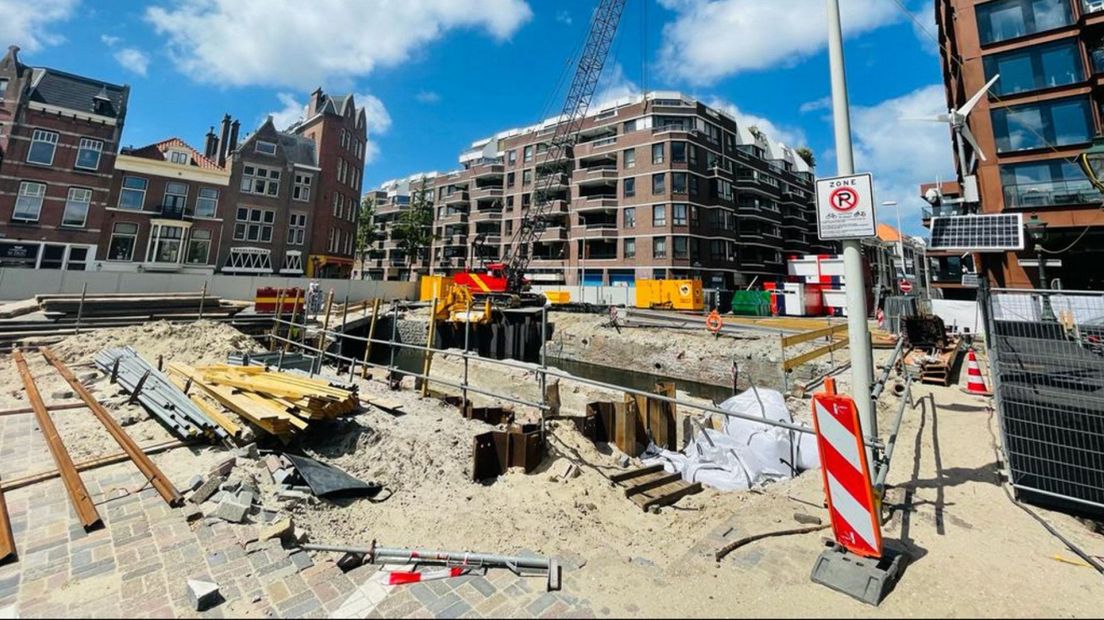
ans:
(847, 483)
(398, 577)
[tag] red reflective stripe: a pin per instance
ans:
(851, 478)
(848, 537)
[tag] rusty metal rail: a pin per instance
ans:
(78, 494)
(7, 541)
(152, 473)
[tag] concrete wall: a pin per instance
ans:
(18, 284)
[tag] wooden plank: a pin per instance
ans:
(655, 481)
(665, 496)
(792, 363)
(152, 473)
(629, 475)
(789, 341)
(7, 540)
(78, 494)
(626, 420)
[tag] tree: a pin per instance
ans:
(806, 153)
(366, 234)
(414, 229)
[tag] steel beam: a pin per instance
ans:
(78, 494)
(152, 473)
(7, 541)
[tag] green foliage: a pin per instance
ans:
(366, 232)
(806, 153)
(414, 229)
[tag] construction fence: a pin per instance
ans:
(1046, 353)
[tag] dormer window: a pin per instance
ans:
(265, 148)
(179, 157)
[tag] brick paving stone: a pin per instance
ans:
(483, 586)
(455, 610)
(443, 603)
(542, 602)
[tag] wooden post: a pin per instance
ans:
(429, 348)
(326, 322)
(202, 298)
(371, 333)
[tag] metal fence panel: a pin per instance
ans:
(1047, 358)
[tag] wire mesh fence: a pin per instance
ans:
(1047, 362)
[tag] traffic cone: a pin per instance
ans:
(975, 384)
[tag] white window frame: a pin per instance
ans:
(265, 219)
(24, 195)
(270, 180)
(3, 87)
(184, 196)
(80, 191)
(192, 240)
(301, 190)
(123, 189)
(89, 144)
(265, 151)
(153, 247)
(184, 157)
(201, 199)
(45, 137)
(133, 241)
(297, 228)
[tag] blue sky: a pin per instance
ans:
(439, 74)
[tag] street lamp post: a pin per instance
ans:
(1037, 228)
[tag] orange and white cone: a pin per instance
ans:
(975, 384)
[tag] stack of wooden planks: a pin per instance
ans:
(651, 487)
(934, 365)
(280, 403)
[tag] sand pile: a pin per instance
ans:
(203, 342)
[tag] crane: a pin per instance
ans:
(507, 278)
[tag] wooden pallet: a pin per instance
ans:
(650, 487)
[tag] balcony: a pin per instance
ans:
(597, 230)
(485, 194)
(455, 218)
(456, 198)
(557, 182)
(455, 240)
(484, 171)
(596, 202)
(553, 233)
(598, 175)
(174, 212)
(1052, 194)
(486, 215)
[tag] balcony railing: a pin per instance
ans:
(174, 212)
(1030, 195)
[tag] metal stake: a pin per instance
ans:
(202, 298)
(394, 338)
(276, 323)
(429, 349)
(544, 369)
(467, 343)
(80, 308)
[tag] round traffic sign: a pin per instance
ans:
(843, 199)
(906, 286)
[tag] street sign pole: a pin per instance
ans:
(862, 361)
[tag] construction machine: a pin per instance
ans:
(503, 284)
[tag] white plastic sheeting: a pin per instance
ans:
(745, 453)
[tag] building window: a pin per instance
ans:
(164, 244)
(76, 207)
(657, 153)
(3, 87)
(199, 247)
(88, 155)
(1059, 122)
(330, 242)
(659, 183)
(265, 148)
(1035, 67)
(630, 217)
(630, 248)
(678, 182)
(133, 194)
(43, 145)
(528, 154)
(693, 185)
(1046, 183)
(682, 247)
(207, 202)
(297, 229)
(29, 203)
(1009, 19)
(511, 157)
(254, 224)
(258, 180)
(302, 189)
(123, 237)
(692, 150)
(659, 215)
(678, 152)
(53, 256)
(659, 247)
(678, 215)
(629, 158)
(179, 157)
(78, 259)
(176, 199)
(630, 187)
(526, 177)
(510, 179)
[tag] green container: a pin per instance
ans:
(751, 303)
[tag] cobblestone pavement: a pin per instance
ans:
(137, 565)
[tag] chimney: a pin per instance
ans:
(234, 127)
(210, 146)
(224, 141)
(315, 102)
(11, 59)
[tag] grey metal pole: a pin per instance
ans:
(394, 337)
(544, 367)
(858, 332)
(80, 308)
(467, 343)
(202, 298)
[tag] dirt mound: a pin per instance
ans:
(202, 342)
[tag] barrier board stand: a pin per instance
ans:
(857, 563)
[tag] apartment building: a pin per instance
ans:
(387, 259)
(59, 134)
(166, 210)
(658, 186)
(1039, 116)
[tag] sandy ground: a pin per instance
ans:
(974, 552)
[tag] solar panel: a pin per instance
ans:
(978, 233)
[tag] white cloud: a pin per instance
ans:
(27, 23)
(711, 39)
(427, 96)
(790, 136)
(613, 85)
(902, 154)
(133, 59)
(110, 41)
(300, 44)
(564, 17)
(375, 113)
(824, 103)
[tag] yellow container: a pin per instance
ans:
(433, 286)
(670, 294)
(558, 297)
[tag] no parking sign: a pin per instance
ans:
(845, 207)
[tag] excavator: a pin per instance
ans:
(474, 294)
